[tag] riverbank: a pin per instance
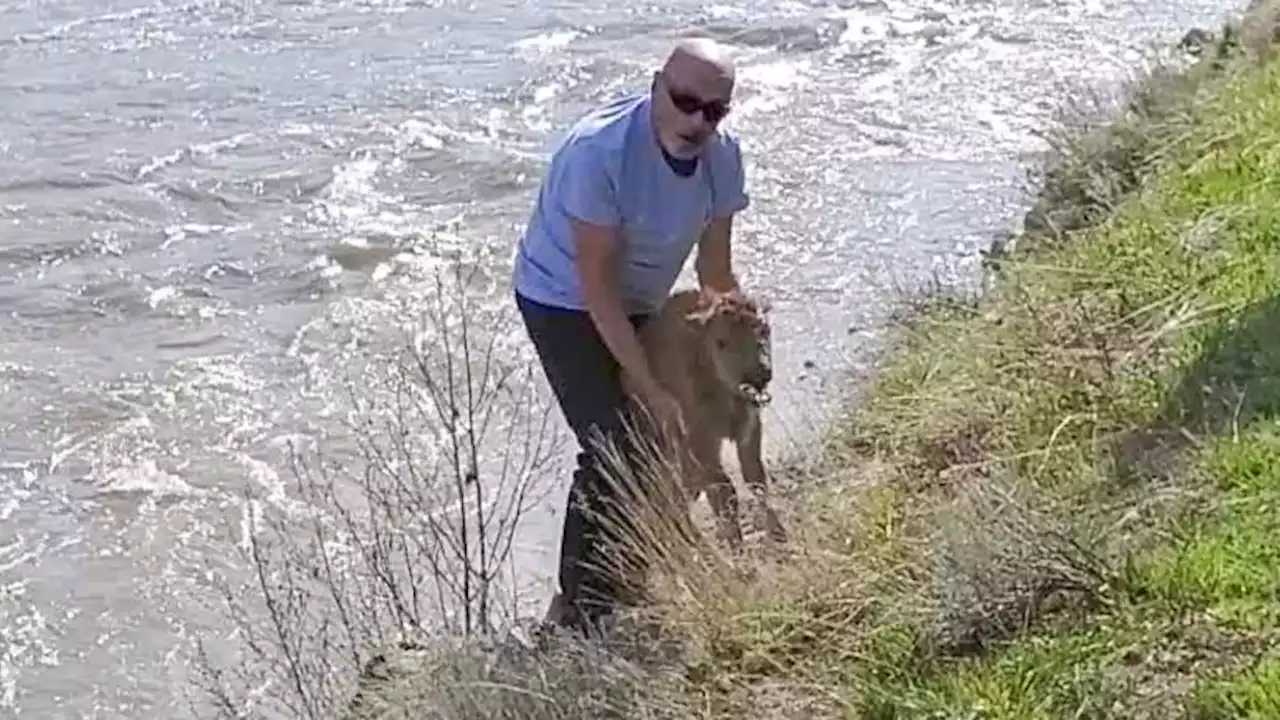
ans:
(1055, 501)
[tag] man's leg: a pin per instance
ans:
(586, 380)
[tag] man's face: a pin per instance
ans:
(688, 106)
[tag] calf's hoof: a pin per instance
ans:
(774, 529)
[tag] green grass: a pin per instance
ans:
(1136, 359)
(1061, 500)
(1252, 693)
(1228, 560)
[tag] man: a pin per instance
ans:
(630, 191)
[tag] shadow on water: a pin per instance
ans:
(1234, 382)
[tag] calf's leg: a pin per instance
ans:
(750, 451)
(719, 488)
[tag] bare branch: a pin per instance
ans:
(401, 519)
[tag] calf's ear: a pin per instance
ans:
(701, 314)
(704, 308)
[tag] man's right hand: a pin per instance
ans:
(666, 412)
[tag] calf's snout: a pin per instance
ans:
(760, 376)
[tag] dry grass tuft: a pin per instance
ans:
(1002, 562)
(476, 680)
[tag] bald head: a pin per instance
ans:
(692, 94)
(698, 58)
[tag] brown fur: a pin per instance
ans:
(701, 348)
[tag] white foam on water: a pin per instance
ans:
(534, 114)
(27, 639)
(770, 83)
(547, 42)
(264, 476)
(418, 134)
(145, 476)
(203, 408)
(351, 193)
(161, 295)
(720, 11)
(190, 152)
(353, 204)
(294, 129)
(19, 491)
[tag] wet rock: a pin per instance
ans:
(384, 668)
(934, 34)
(1195, 40)
(1042, 220)
(997, 251)
(387, 674)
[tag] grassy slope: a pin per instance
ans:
(1065, 496)
(1059, 501)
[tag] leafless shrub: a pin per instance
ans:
(1001, 557)
(398, 532)
(631, 671)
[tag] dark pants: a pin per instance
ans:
(587, 383)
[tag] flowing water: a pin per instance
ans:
(203, 202)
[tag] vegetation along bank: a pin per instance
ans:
(1058, 500)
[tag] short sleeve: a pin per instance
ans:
(585, 189)
(728, 181)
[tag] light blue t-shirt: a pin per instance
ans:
(610, 170)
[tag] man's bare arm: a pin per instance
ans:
(597, 271)
(714, 263)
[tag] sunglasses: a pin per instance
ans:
(689, 104)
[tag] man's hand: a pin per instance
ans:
(666, 412)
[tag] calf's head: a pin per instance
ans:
(735, 334)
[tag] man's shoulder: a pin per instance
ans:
(610, 120)
(724, 145)
(605, 129)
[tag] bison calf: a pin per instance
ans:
(712, 352)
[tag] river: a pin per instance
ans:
(199, 199)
